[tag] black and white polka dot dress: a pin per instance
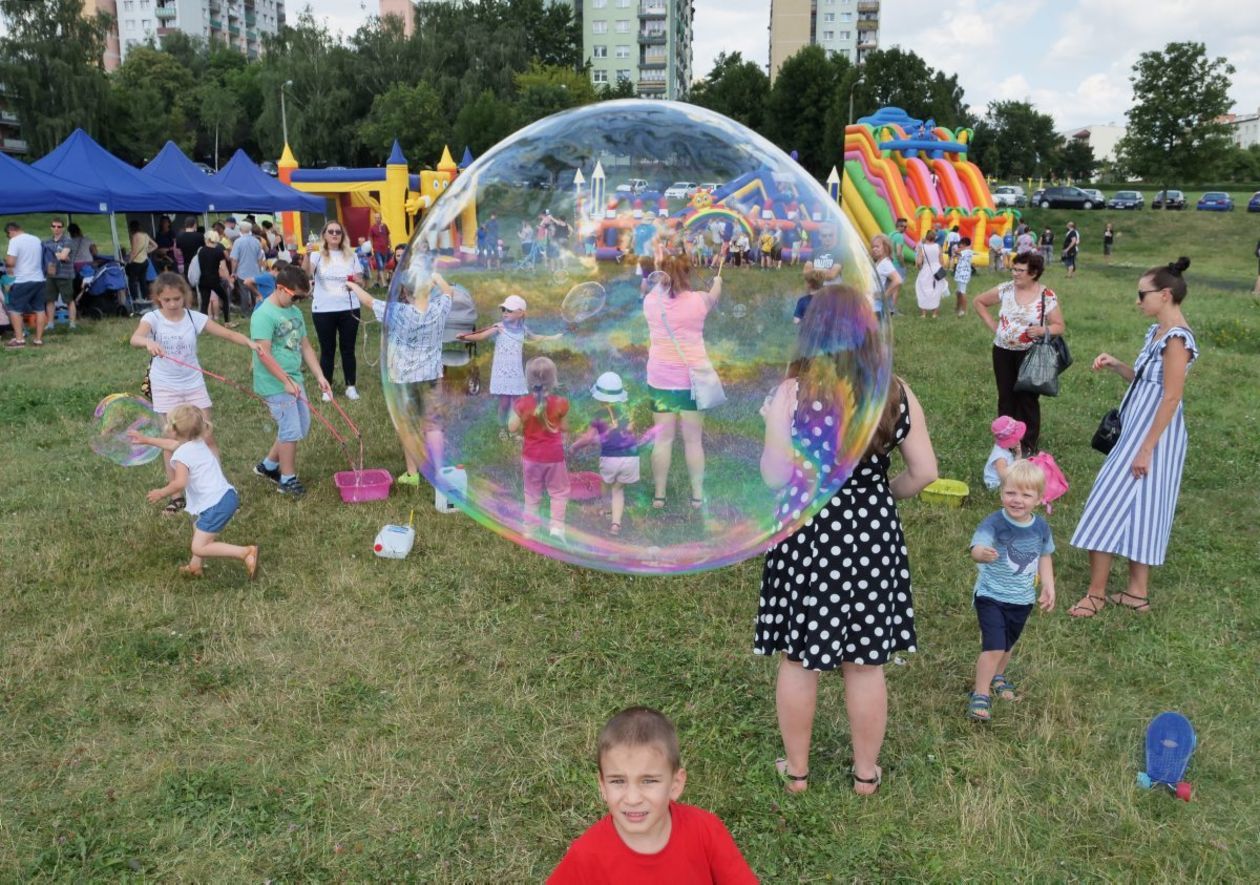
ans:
(838, 589)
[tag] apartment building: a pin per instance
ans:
(1244, 129)
(404, 10)
(11, 140)
(647, 42)
(238, 24)
(112, 58)
(845, 27)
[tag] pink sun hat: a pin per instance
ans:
(1007, 432)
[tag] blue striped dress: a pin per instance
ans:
(1133, 517)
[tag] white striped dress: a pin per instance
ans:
(1133, 517)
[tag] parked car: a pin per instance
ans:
(680, 190)
(709, 186)
(1253, 205)
(1009, 195)
(1127, 200)
(1215, 201)
(633, 186)
(1176, 200)
(204, 167)
(1035, 199)
(1067, 198)
(269, 167)
(1099, 197)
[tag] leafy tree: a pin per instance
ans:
(546, 89)
(50, 60)
(150, 101)
(483, 122)
(797, 108)
(1027, 144)
(1076, 160)
(406, 113)
(624, 88)
(900, 78)
(1174, 132)
(219, 111)
(736, 88)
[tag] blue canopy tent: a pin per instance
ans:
(261, 192)
(27, 189)
(172, 169)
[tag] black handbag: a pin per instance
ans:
(1108, 432)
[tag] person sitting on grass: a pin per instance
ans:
(1013, 548)
(648, 836)
(279, 327)
(197, 473)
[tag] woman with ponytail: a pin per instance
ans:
(542, 418)
(1130, 509)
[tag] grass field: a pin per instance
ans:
(346, 718)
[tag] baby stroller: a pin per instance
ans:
(104, 290)
(456, 353)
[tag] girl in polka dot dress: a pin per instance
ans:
(836, 593)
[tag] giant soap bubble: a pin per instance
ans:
(620, 290)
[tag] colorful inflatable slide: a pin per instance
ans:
(899, 167)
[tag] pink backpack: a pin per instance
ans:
(1056, 482)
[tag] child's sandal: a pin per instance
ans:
(1003, 688)
(979, 708)
(793, 783)
(175, 506)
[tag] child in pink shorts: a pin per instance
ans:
(541, 417)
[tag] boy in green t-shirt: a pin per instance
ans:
(281, 329)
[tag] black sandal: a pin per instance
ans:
(876, 780)
(175, 506)
(780, 766)
(1143, 606)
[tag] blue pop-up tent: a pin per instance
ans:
(27, 189)
(261, 192)
(171, 169)
(80, 160)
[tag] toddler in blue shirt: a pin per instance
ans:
(1012, 548)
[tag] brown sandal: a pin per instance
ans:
(1142, 606)
(1089, 606)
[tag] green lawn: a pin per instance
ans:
(352, 719)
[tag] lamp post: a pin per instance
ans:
(284, 120)
(847, 123)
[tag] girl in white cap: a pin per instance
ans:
(613, 428)
(507, 369)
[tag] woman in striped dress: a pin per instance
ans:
(1130, 508)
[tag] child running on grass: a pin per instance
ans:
(171, 331)
(648, 837)
(197, 473)
(613, 429)
(279, 327)
(542, 416)
(1012, 547)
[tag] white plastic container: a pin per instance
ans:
(452, 486)
(394, 541)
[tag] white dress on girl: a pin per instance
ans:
(507, 369)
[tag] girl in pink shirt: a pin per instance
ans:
(675, 316)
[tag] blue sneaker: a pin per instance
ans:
(292, 487)
(261, 469)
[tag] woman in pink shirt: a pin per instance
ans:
(675, 317)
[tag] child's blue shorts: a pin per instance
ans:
(1000, 623)
(292, 417)
(215, 519)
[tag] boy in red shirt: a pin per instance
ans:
(648, 836)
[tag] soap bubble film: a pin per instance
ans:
(611, 279)
(114, 417)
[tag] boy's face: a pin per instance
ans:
(1019, 503)
(638, 784)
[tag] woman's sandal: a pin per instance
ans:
(979, 708)
(658, 503)
(793, 783)
(1089, 606)
(175, 506)
(1003, 688)
(1143, 605)
(697, 503)
(868, 781)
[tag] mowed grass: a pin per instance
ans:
(351, 719)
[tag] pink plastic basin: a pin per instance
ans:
(357, 486)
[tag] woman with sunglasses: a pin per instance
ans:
(1027, 311)
(334, 308)
(1130, 509)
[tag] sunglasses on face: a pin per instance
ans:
(1142, 293)
(55, 226)
(334, 232)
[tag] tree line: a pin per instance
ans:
(472, 73)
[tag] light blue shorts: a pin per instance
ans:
(292, 417)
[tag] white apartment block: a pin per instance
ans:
(842, 27)
(647, 42)
(1245, 129)
(239, 24)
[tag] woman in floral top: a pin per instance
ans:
(1027, 311)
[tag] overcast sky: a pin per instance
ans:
(1070, 58)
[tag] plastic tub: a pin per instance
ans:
(357, 486)
(950, 492)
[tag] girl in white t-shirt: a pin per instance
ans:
(334, 307)
(211, 498)
(171, 331)
(886, 270)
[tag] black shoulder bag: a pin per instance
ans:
(1108, 432)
